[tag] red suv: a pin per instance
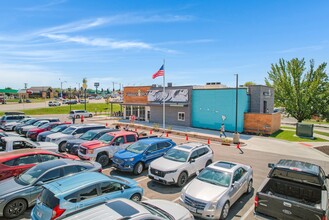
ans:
(15, 162)
(33, 132)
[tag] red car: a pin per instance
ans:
(33, 132)
(15, 162)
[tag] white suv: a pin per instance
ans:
(79, 113)
(180, 163)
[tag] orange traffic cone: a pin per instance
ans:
(208, 140)
(186, 137)
(167, 135)
(107, 124)
(151, 131)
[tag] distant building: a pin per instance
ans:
(37, 92)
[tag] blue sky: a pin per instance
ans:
(126, 41)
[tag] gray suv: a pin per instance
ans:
(10, 118)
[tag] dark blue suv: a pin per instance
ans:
(140, 154)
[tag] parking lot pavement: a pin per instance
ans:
(243, 208)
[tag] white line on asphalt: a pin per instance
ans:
(146, 198)
(175, 200)
(245, 216)
(140, 180)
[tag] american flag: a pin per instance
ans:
(160, 72)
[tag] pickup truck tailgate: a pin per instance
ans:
(280, 208)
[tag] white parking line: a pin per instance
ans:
(245, 216)
(140, 180)
(145, 198)
(175, 200)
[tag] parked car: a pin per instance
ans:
(104, 148)
(72, 146)
(19, 128)
(82, 101)
(211, 194)
(293, 190)
(23, 131)
(34, 132)
(42, 136)
(19, 193)
(154, 209)
(11, 143)
(180, 163)
(71, 102)
(71, 132)
(15, 162)
(7, 134)
(10, 118)
(140, 154)
(54, 103)
(79, 113)
(28, 101)
(65, 196)
(10, 126)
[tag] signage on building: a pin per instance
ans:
(96, 84)
(138, 93)
(172, 95)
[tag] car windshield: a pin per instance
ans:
(45, 125)
(31, 175)
(137, 147)
(58, 128)
(106, 138)
(157, 211)
(88, 136)
(176, 155)
(69, 130)
(2, 145)
(215, 177)
(31, 122)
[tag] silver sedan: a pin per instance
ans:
(216, 188)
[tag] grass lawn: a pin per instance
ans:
(315, 122)
(32, 100)
(289, 136)
(65, 109)
(315, 131)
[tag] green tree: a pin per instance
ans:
(249, 83)
(302, 92)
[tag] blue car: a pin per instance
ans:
(60, 198)
(140, 154)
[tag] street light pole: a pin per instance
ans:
(62, 87)
(236, 136)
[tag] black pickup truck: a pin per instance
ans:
(293, 190)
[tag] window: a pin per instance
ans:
(194, 155)
(88, 193)
(51, 175)
(119, 140)
(163, 145)
(69, 170)
(27, 160)
(152, 148)
(238, 174)
(181, 116)
(203, 151)
(18, 145)
(9, 162)
(109, 187)
(81, 168)
(46, 157)
(130, 138)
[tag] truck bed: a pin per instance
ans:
(285, 199)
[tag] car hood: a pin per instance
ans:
(204, 191)
(58, 135)
(44, 145)
(174, 209)
(12, 123)
(124, 154)
(36, 130)
(76, 141)
(93, 144)
(9, 186)
(28, 127)
(169, 164)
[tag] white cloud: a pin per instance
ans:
(43, 6)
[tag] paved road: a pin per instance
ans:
(254, 156)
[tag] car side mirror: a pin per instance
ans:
(233, 184)
(117, 143)
(122, 189)
(39, 183)
(192, 160)
(270, 165)
(327, 177)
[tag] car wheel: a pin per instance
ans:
(182, 179)
(208, 163)
(78, 116)
(13, 129)
(15, 208)
(61, 146)
(90, 116)
(138, 169)
(136, 197)
(249, 189)
(103, 159)
(225, 210)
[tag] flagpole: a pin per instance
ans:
(164, 96)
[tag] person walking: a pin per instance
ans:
(222, 131)
(73, 119)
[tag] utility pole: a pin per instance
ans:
(62, 87)
(236, 136)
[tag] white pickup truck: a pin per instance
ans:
(11, 143)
